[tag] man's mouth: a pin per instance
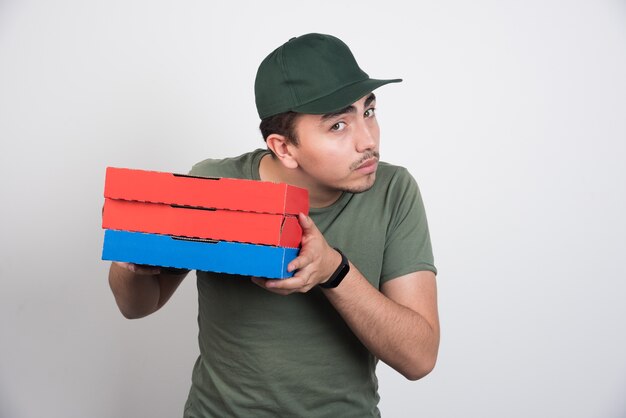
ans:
(368, 163)
(369, 160)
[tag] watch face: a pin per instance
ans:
(345, 268)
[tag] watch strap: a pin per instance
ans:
(339, 274)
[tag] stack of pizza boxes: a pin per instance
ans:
(222, 225)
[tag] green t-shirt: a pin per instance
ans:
(267, 355)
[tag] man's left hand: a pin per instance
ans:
(315, 263)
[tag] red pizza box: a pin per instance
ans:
(205, 192)
(217, 224)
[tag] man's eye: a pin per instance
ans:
(369, 112)
(338, 126)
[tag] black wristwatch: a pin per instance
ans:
(339, 274)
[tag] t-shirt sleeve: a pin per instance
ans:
(407, 248)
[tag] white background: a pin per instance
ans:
(512, 117)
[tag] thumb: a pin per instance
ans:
(306, 223)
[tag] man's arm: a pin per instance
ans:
(141, 290)
(399, 324)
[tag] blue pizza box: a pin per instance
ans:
(198, 254)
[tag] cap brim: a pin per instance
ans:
(343, 97)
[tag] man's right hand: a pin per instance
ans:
(140, 269)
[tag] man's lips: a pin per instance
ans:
(368, 166)
(368, 163)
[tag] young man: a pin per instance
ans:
(364, 286)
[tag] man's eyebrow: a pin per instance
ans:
(348, 109)
(369, 99)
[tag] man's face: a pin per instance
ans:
(339, 151)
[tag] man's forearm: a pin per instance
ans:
(399, 324)
(394, 333)
(139, 295)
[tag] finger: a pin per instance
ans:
(299, 263)
(258, 281)
(143, 269)
(280, 292)
(292, 284)
(263, 283)
(306, 223)
(124, 265)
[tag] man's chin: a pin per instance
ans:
(362, 187)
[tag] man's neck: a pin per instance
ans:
(271, 169)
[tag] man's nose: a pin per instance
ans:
(365, 137)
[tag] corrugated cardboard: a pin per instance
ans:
(225, 225)
(204, 192)
(220, 256)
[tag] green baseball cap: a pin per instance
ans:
(313, 73)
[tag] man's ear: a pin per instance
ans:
(282, 149)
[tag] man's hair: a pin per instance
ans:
(282, 124)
